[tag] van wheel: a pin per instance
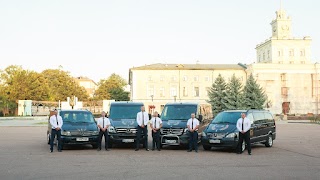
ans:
(95, 146)
(206, 147)
(269, 141)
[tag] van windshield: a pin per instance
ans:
(178, 112)
(227, 117)
(77, 117)
(124, 111)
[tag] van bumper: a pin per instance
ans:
(224, 142)
(79, 140)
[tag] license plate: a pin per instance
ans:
(127, 140)
(214, 141)
(171, 141)
(82, 139)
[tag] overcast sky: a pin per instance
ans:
(96, 38)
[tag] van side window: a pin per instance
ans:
(269, 117)
(258, 118)
(250, 116)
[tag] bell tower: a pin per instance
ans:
(281, 26)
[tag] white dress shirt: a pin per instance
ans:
(155, 122)
(106, 122)
(145, 117)
(53, 121)
(246, 124)
(195, 122)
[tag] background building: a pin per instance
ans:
(283, 68)
(88, 84)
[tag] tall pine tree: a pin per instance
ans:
(216, 95)
(234, 98)
(253, 94)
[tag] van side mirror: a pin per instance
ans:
(200, 117)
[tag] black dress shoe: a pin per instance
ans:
(98, 149)
(59, 150)
(189, 150)
(107, 150)
(147, 149)
(136, 149)
(159, 149)
(51, 151)
(249, 153)
(196, 151)
(152, 149)
(238, 152)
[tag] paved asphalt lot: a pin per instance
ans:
(24, 154)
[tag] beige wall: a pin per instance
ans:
(165, 84)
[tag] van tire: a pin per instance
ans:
(206, 147)
(269, 141)
(243, 147)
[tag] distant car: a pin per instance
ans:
(79, 127)
(223, 132)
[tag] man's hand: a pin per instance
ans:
(57, 128)
(142, 126)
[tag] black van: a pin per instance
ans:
(123, 128)
(174, 118)
(223, 132)
(79, 127)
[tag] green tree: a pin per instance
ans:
(234, 96)
(216, 95)
(22, 84)
(253, 94)
(107, 88)
(119, 94)
(62, 85)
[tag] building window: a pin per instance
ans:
(150, 90)
(196, 91)
(196, 78)
(185, 78)
(291, 52)
(291, 62)
(173, 91)
(302, 52)
(173, 78)
(283, 77)
(303, 62)
(185, 91)
(268, 54)
(162, 92)
(264, 58)
(259, 58)
(149, 78)
(161, 78)
(284, 91)
(206, 78)
(279, 53)
(280, 62)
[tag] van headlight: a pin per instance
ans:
(231, 135)
(111, 129)
(186, 130)
(66, 133)
(94, 133)
(203, 134)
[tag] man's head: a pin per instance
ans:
(103, 113)
(55, 112)
(243, 115)
(142, 108)
(193, 115)
(156, 114)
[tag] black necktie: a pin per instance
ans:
(242, 123)
(155, 122)
(142, 119)
(192, 124)
(103, 122)
(57, 121)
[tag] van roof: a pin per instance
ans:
(185, 103)
(126, 102)
(249, 110)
